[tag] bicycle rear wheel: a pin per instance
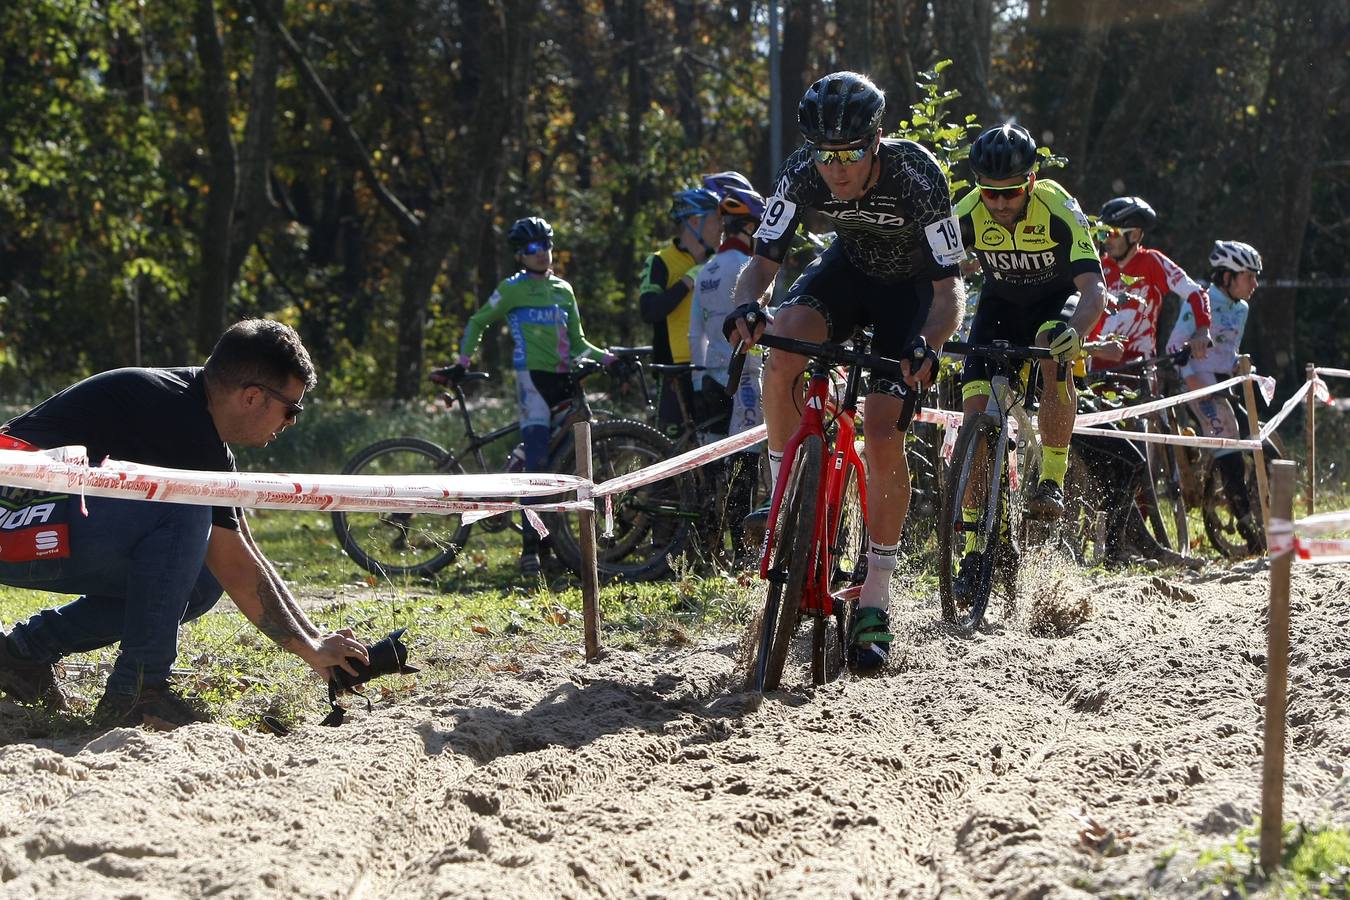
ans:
(789, 559)
(1221, 521)
(970, 467)
(653, 525)
(392, 544)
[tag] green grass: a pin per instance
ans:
(1315, 863)
(477, 618)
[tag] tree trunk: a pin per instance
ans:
(256, 205)
(222, 180)
(964, 31)
(1308, 69)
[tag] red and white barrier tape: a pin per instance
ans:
(442, 494)
(1285, 537)
(1334, 373)
(690, 459)
(1265, 383)
(1320, 392)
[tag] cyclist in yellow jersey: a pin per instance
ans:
(1042, 286)
(668, 287)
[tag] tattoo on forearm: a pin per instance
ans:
(276, 620)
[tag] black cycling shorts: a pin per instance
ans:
(849, 298)
(997, 319)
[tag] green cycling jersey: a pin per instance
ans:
(542, 316)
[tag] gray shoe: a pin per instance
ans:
(754, 526)
(159, 708)
(1046, 502)
(529, 563)
(28, 681)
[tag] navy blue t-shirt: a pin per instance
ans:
(157, 417)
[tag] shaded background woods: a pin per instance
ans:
(351, 167)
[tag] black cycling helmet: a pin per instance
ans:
(1128, 212)
(528, 231)
(841, 108)
(1005, 151)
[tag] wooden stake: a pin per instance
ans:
(1254, 429)
(1277, 668)
(590, 574)
(1310, 439)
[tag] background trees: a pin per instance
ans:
(350, 167)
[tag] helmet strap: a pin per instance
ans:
(698, 234)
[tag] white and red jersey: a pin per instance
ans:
(1148, 277)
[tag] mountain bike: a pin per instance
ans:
(1172, 473)
(417, 544)
(718, 510)
(815, 546)
(981, 474)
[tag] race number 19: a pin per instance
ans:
(944, 238)
(777, 216)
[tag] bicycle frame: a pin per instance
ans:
(835, 465)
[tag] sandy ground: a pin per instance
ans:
(1096, 762)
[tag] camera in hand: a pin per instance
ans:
(388, 656)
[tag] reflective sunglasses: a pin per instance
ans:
(1120, 232)
(293, 409)
(534, 247)
(847, 156)
(1012, 190)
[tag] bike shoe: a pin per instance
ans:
(869, 640)
(1046, 502)
(968, 576)
(529, 563)
(28, 681)
(754, 526)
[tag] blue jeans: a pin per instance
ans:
(141, 570)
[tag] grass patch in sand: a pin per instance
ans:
(476, 618)
(1315, 863)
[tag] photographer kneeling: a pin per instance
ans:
(141, 568)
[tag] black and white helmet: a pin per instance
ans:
(1235, 256)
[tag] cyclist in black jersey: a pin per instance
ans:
(892, 266)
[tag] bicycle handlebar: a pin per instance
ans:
(834, 355)
(1000, 349)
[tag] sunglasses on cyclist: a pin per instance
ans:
(846, 156)
(1012, 190)
(534, 247)
(1120, 232)
(293, 409)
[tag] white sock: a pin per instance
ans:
(876, 589)
(775, 463)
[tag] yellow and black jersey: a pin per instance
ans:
(1043, 252)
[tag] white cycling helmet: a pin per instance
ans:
(1235, 256)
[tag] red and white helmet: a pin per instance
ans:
(1235, 256)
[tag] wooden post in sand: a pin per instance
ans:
(590, 575)
(1310, 438)
(1280, 539)
(1254, 431)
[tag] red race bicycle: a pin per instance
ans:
(814, 554)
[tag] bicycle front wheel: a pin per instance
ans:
(392, 544)
(975, 469)
(653, 524)
(790, 556)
